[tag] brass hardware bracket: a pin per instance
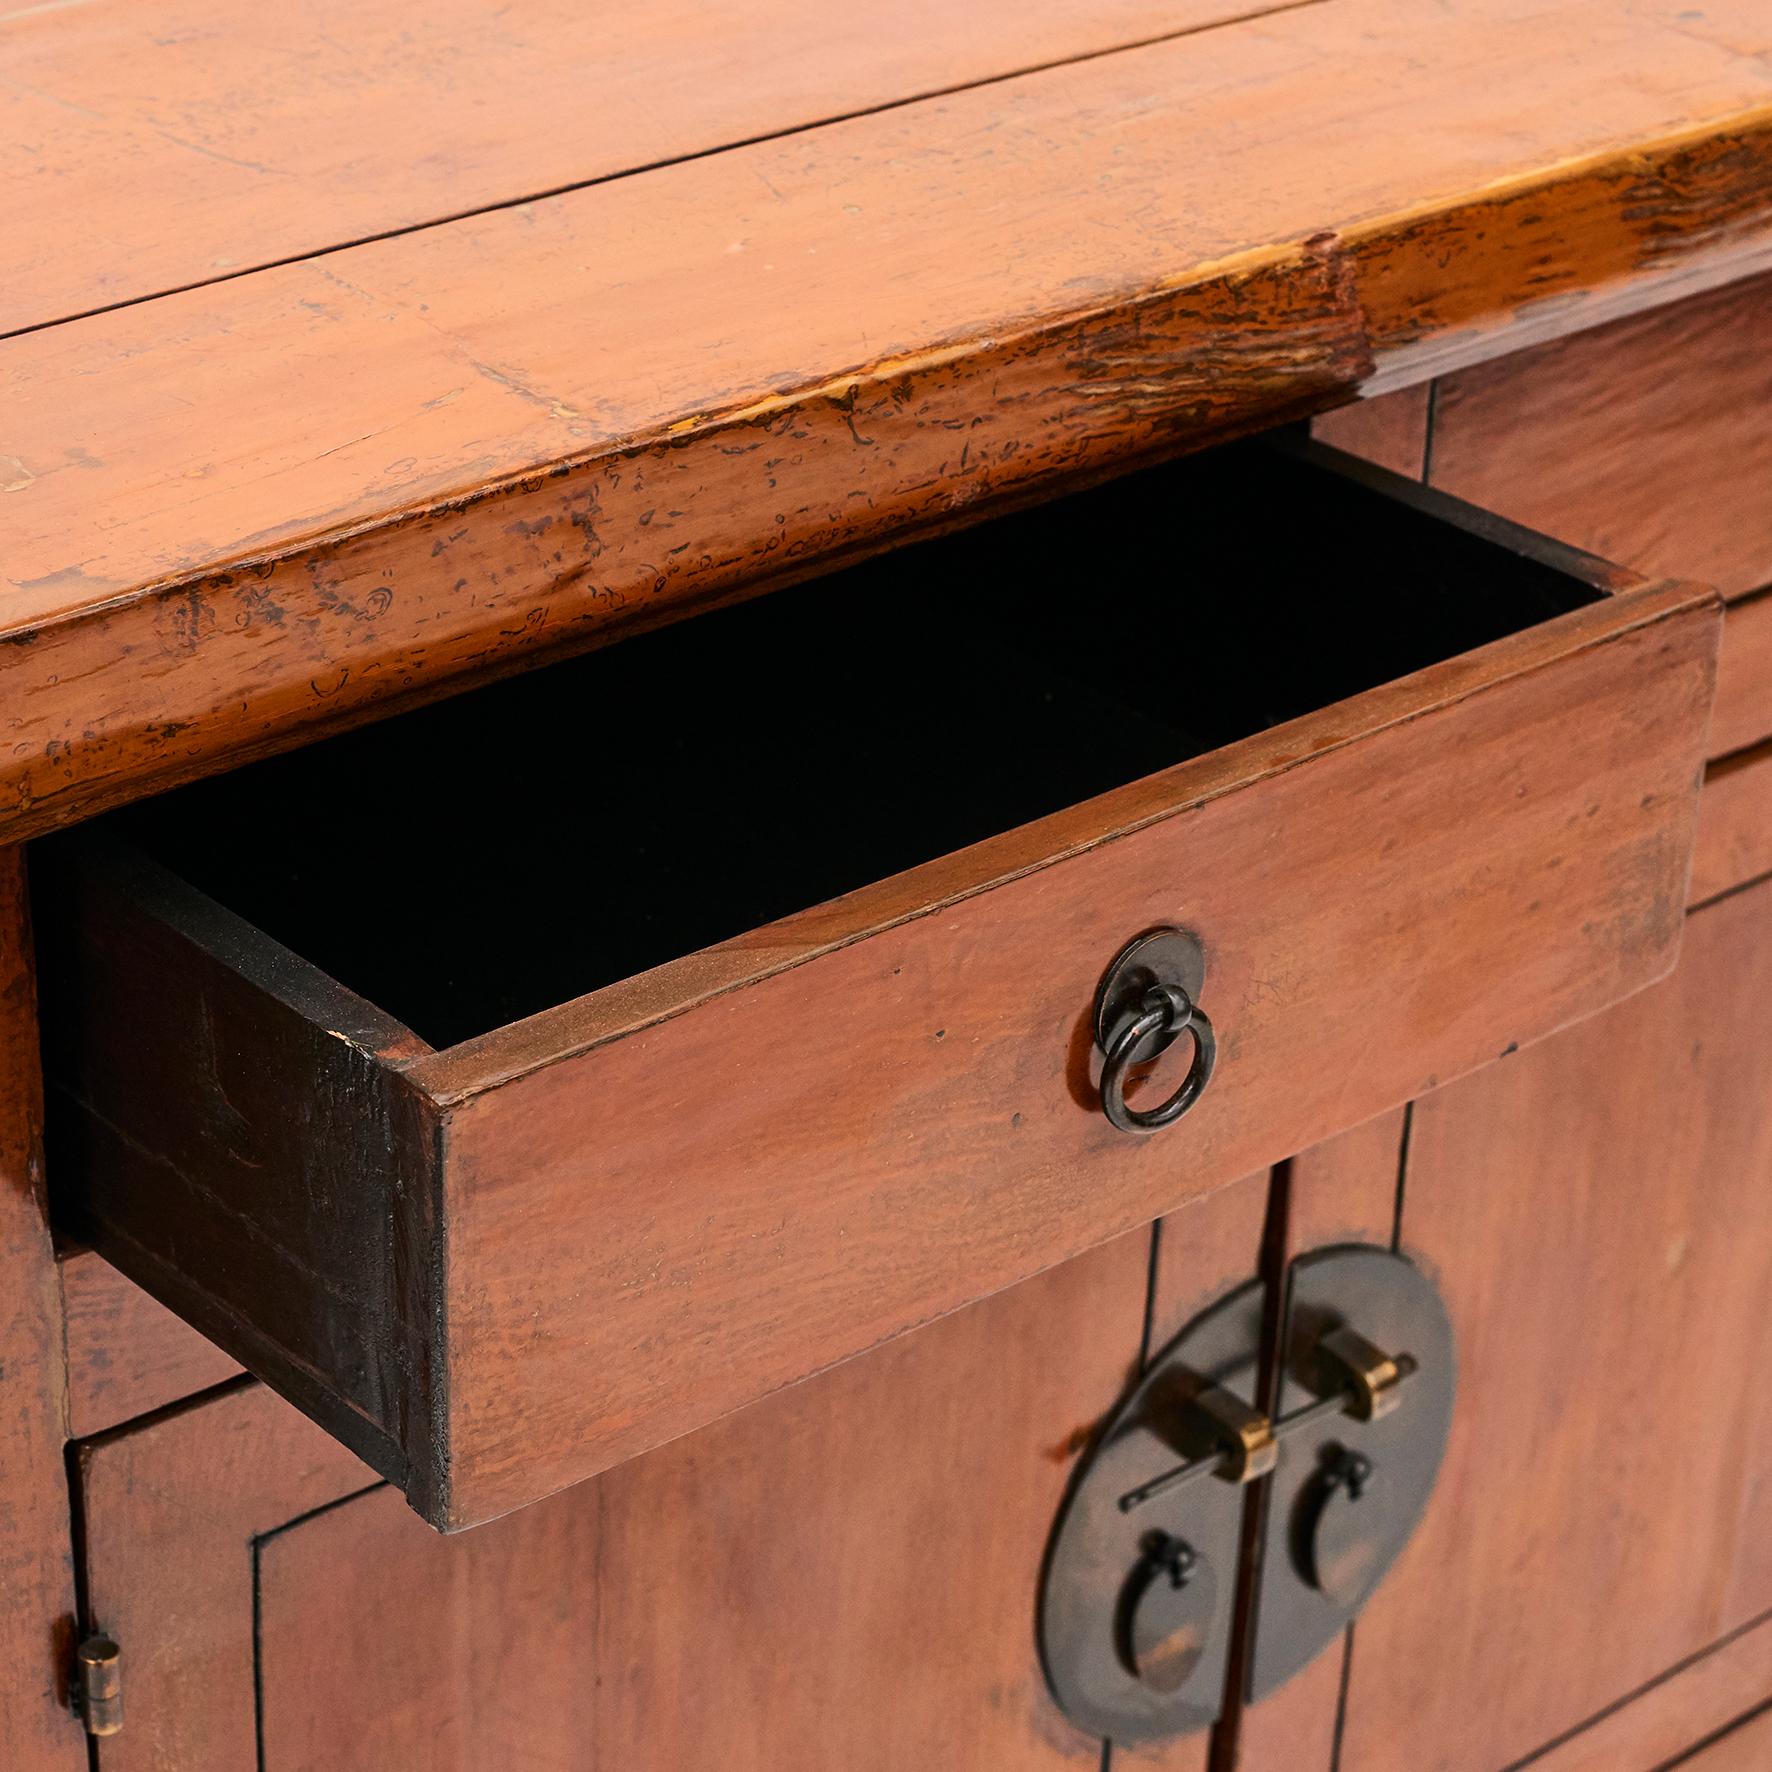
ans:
(1249, 1445)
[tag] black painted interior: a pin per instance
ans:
(529, 841)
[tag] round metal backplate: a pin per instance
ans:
(1323, 1552)
(1098, 1565)
(1159, 956)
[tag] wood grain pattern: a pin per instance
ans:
(1344, 1190)
(171, 1512)
(1734, 841)
(126, 1353)
(844, 1576)
(607, 1283)
(403, 477)
(1204, 1252)
(382, 1645)
(1598, 1216)
(36, 1575)
(1689, 1704)
(1645, 441)
(255, 118)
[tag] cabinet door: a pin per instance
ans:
(1598, 1211)
(843, 1576)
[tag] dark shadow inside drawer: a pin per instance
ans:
(528, 842)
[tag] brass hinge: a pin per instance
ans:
(95, 1689)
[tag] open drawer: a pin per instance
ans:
(482, 1081)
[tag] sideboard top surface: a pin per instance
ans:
(347, 361)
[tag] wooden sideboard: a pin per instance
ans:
(605, 626)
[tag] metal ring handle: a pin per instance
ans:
(1163, 1009)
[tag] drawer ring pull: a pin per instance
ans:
(1166, 1011)
(1146, 1001)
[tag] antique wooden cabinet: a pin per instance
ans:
(609, 623)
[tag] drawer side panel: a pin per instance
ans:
(224, 1128)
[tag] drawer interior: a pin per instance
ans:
(528, 842)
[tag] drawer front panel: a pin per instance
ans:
(1648, 440)
(1743, 714)
(496, 1269)
(657, 1230)
(1734, 824)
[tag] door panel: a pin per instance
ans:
(173, 1513)
(1206, 1250)
(382, 1645)
(1598, 1211)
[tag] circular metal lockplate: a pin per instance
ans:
(1326, 1552)
(1099, 1563)
(1160, 956)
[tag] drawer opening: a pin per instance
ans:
(760, 950)
(497, 854)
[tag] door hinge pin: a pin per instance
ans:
(95, 1692)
